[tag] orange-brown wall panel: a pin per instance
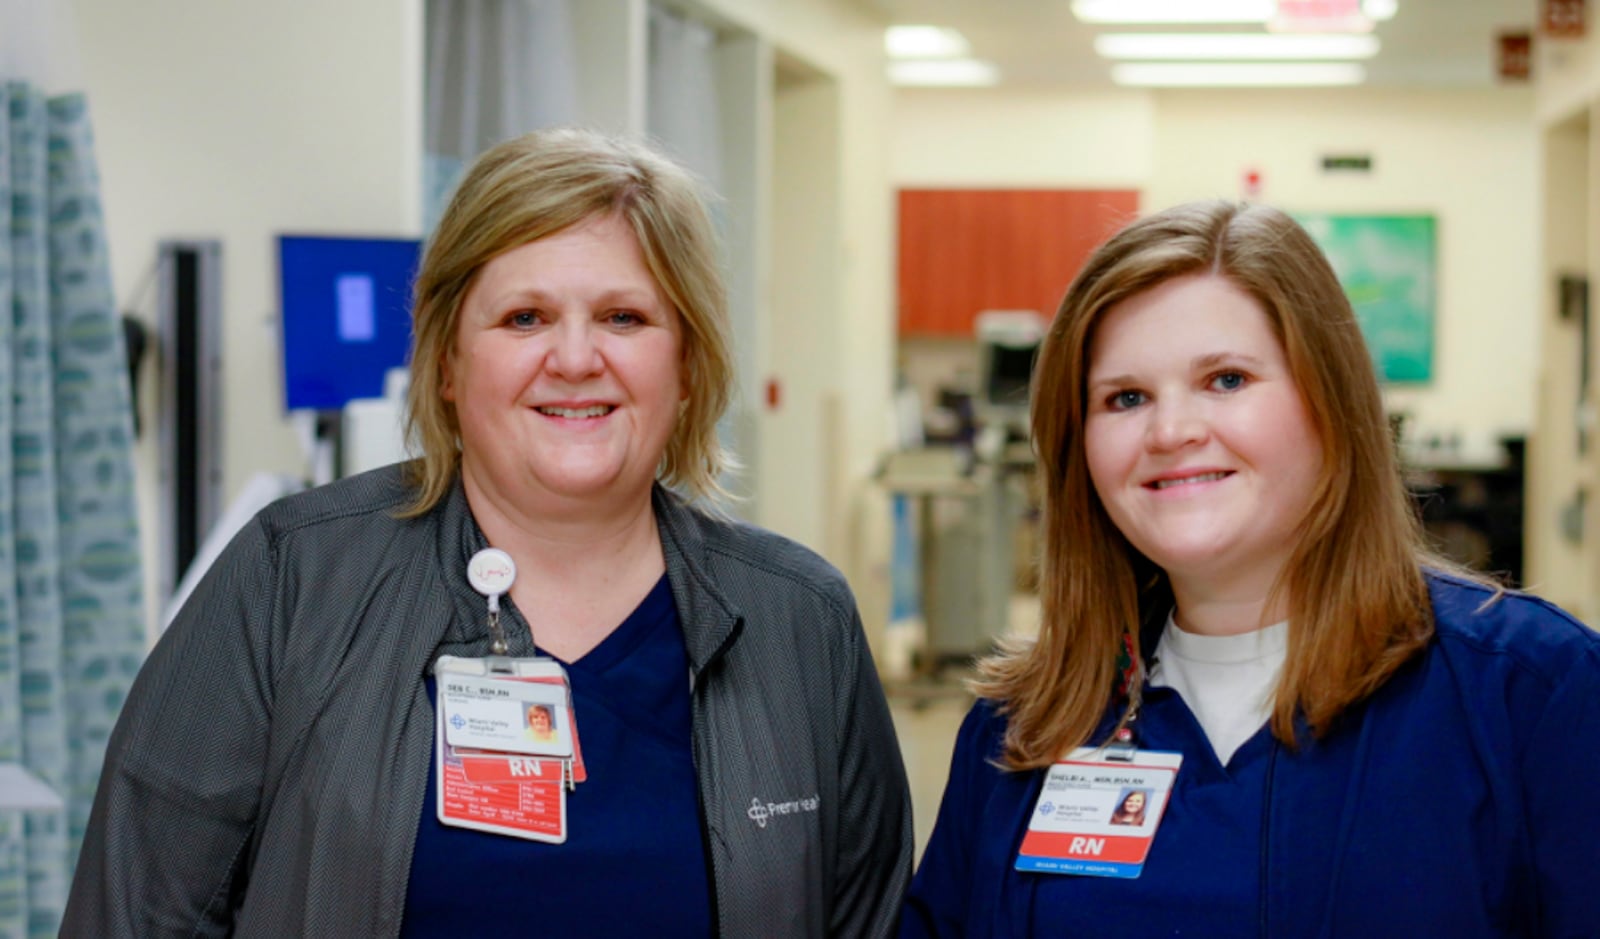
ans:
(963, 251)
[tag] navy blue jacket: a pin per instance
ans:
(1462, 800)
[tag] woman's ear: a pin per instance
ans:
(685, 362)
(447, 378)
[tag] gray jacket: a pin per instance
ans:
(266, 775)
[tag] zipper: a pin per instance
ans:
(703, 774)
(1266, 839)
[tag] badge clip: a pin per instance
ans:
(1123, 745)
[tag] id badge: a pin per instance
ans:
(527, 735)
(1096, 816)
(517, 785)
(504, 714)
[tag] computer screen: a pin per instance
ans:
(1008, 341)
(1010, 368)
(346, 305)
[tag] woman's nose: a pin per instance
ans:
(1176, 422)
(575, 353)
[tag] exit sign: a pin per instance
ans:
(1347, 162)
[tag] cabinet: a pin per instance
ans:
(963, 251)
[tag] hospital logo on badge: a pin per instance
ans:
(1045, 808)
(457, 721)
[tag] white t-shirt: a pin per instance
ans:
(1227, 681)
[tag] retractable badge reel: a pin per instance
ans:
(491, 572)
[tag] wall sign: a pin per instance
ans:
(1347, 162)
(1561, 18)
(1515, 61)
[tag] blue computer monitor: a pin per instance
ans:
(346, 306)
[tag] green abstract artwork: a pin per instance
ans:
(1387, 265)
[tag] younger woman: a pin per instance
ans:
(1339, 737)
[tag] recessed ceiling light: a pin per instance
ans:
(1233, 46)
(1220, 75)
(943, 72)
(925, 42)
(1174, 11)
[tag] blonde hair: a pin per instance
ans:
(535, 186)
(1357, 599)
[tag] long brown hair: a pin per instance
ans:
(535, 186)
(1357, 600)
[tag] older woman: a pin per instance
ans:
(279, 768)
(1336, 735)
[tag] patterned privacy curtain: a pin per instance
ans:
(71, 630)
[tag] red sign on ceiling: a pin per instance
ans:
(1320, 16)
(1318, 9)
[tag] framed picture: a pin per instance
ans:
(1388, 266)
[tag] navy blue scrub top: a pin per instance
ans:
(633, 828)
(1201, 878)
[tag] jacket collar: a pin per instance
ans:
(710, 622)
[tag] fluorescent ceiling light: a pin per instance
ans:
(1234, 46)
(1174, 11)
(1354, 23)
(1380, 9)
(1254, 75)
(943, 72)
(925, 42)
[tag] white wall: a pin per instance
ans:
(1566, 76)
(798, 457)
(982, 138)
(1468, 157)
(238, 121)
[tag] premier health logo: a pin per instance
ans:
(1045, 808)
(761, 812)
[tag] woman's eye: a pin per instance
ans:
(624, 318)
(1228, 381)
(1123, 400)
(523, 319)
